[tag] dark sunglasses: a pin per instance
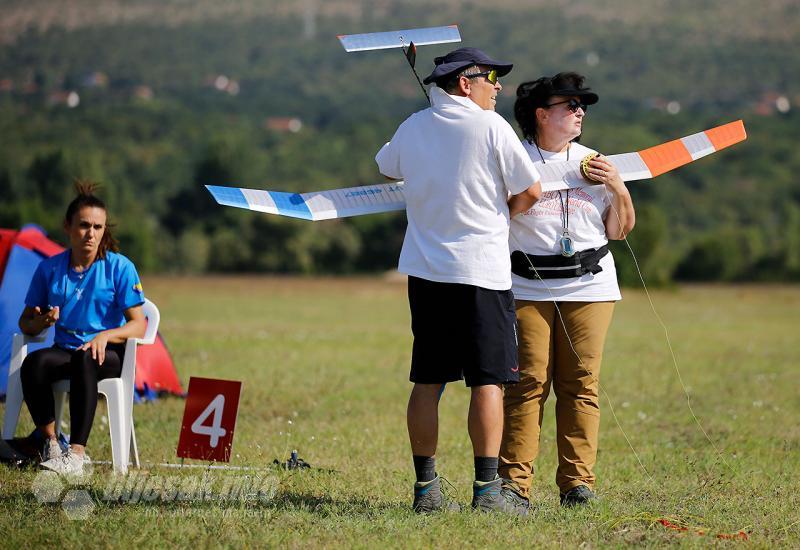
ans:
(572, 104)
(491, 76)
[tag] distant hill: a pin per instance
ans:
(156, 98)
(747, 19)
(705, 53)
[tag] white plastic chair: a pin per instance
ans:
(117, 391)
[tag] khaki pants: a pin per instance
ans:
(546, 358)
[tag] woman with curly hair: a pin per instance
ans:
(565, 286)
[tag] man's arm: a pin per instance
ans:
(521, 202)
(388, 161)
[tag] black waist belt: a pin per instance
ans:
(557, 267)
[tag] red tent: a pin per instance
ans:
(20, 253)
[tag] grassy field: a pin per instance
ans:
(324, 369)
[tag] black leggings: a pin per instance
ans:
(45, 366)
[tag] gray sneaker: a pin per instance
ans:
(68, 464)
(507, 492)
(578, 496)
(51, 449)
(429, 498)
(492, 496)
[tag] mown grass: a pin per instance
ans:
(324, 369)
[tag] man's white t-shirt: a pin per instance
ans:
(538, 231)
(459, 163)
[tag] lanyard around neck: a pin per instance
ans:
(567, 248)
(564, 204)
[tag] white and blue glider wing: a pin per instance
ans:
(399, 39)
(319, 205)
(373, 199)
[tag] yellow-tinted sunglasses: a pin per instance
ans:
(491, 76)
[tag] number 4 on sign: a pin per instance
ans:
(209, 419)
(215, 430)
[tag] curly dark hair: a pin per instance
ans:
(537, 93)
(86, 197)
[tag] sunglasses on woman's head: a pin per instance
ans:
(572, 104)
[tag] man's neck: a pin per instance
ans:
(459, 98)
(461, 94)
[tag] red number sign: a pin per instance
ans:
(209, 419)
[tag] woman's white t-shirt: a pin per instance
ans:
(538, 231)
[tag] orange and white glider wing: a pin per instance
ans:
(651, 162)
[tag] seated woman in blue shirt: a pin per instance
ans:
(93, 297)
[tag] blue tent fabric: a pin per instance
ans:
(145, 394)
(18, 274)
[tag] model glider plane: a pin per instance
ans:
(407, 40)
(399, 39)
(388, 197)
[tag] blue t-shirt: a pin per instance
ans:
(89, 302)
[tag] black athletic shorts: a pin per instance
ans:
(462, 331)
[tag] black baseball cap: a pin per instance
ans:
(460, 59)
(561, 84)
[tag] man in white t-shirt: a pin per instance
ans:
(461, 162)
